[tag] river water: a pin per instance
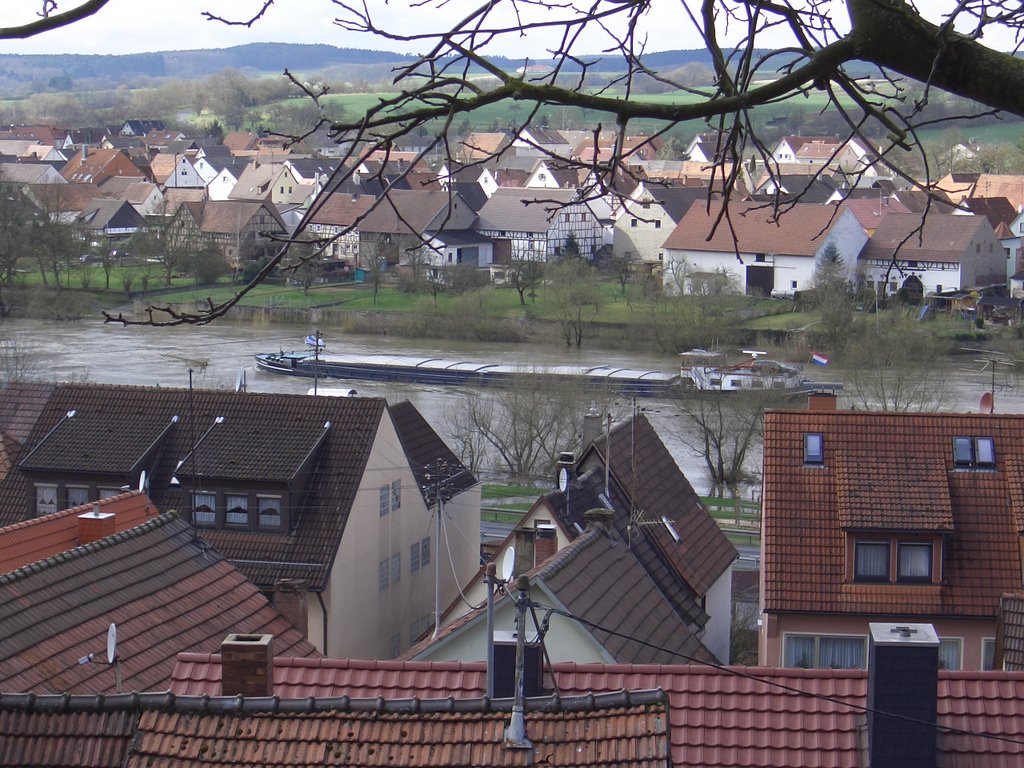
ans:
(96, 352)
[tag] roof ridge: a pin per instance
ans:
(84, 549)
(167, 701)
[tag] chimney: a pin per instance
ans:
(903, 674)
(591, 425)
(821, 401)
(95, 525)
(505, 666)
(247, 665)
(545, 543)
(599, 516)
(291, 598)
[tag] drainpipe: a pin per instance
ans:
(323, 612)
(489, 578)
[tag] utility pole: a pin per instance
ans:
(515, 733)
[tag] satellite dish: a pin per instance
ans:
(112, 643)
(143, 481)
(508, 564)
(986, 403)
(563, 479)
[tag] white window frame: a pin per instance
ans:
(46, 498)
(396, 495)
(207, 519)
(261, 498)
(986, 643)
(952, 642)
(230, 502)
(787, 636)
(384, 500)
(67, 495)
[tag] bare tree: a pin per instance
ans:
(518, 429)
(892, 367)
(18, 362)
(724, 428)
(574, 294)
(877, 63)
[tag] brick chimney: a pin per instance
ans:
(821, 401)
(247, 665)
(903, 678)
(291, 598)
(95, 525)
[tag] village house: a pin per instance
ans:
(646, 217)
(395, 231)
(755, 250)
(536, 225)
(667, 569)
(887, 517)
(322, 493)
(238, 229)
(929, 255)
(94, 166)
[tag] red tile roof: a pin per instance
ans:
(43, 537)
(734, 717)
(166, 591)
(890, 471)
(749, 227)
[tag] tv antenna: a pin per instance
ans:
(998, 368)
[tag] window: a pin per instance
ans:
(396, 495)
(382, 575)
(814, 448)
(974, 452)
(384, 504)
(236, 510)
(914, 561)
(988, 653)
(632, 223)
(204, 508)
(414, 557)
(871, 561)
(396, 568)
(824, 652)
(657, 223)
(269, 510)
(396, 640)
(46, 499)
(425, 552)
(949, 653)
(792, 284)
(77, 495)
(106, 493)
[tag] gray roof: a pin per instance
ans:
(164, 589)
(523, 210)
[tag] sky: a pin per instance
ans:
(123, 27)
(135, 26)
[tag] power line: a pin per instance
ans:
(737, 672)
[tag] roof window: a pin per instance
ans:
(974, 452)
(814, 448)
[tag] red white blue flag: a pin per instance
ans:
(819, 359)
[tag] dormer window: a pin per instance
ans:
(971, 452)
(895, 559)
(814, 448)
